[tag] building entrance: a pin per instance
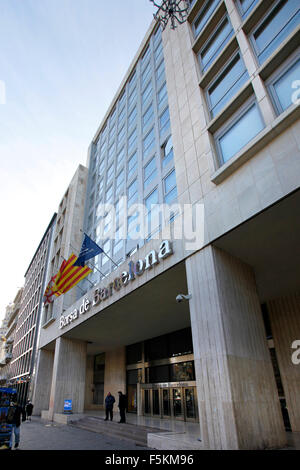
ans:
(172, 400)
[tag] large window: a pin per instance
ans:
(281, 86)
(246, 6)
(148, 116)
(204, 15)
(148, 143)
(164, 122)
(275, 27)
(215, 43)
(132, 141)
(238, 133)
(132, 193)
(170, 188)
(150, 172)
(226, 84)
(162, 95)
(167, 152)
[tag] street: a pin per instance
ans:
(43, 435)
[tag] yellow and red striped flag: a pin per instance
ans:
(69, 275)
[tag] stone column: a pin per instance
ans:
(284, 316)
(237, 396)
(69, 373)
(41, 393)
(115, 373)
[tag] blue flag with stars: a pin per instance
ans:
(89, 250)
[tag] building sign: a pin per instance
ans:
(135, 269)
(68, 406)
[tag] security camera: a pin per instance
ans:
(182, 297)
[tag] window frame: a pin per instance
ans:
(277, 75)
(257, 52)
(234, 119)
(216, 78)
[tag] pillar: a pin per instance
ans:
(115, 372)
(43, 379)
(68, 378)
(284, 316)
(237, 396)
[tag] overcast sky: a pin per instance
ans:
(61, 63)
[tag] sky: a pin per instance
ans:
(61, 63)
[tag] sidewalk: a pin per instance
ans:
(43, 435)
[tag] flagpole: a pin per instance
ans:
(102, 252)
(92, 265)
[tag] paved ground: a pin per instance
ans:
(42, 435)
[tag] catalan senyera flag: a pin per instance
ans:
(49, 292)
(69, 275)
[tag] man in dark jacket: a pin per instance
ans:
(28, 409)
(16, 423)
(122, 407)
(109, 404)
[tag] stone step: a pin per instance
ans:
(131, 432)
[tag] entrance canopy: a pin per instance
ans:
(270, 243)
(149, 311)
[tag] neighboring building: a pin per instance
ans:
(67, 238)
(8, 336)
(28, 320)
(222, 88)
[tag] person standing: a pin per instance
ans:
(16, 412)
(122, 407)
(109, 405)
(28, 409)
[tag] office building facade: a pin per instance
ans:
(207, 117)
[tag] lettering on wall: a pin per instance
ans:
(135, 269)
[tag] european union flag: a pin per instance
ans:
(89, 250)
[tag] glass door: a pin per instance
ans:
(177, 398)
(190, 405)
(155, 402)
(166, 404)
(147, 402)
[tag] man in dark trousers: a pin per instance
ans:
(15, 420)
(109, 404)
(122, 407)
(28, 409)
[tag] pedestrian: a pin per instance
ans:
(28, 409)
(109, 405)
(122, 407)
(14, 414)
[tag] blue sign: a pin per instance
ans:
(68, 406)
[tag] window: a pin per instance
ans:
(120, 158)
(132, 117)
(121, 135)
(118, 243)
(148, 116)
(101, 167)
(162, 95)
(164, 122)
(167, 152)
(281, 87)
(275, 27)
(132, 98)
(235, 136)
(204, 15)
(132, 193)
(151, 203)
(132, 140)
(132, 226)
(146, 73)
(106, 249)
(132, 165)
(226, 84)
(215, 43)
(150, 172)
(112, 132)
(170, 188)
(160, 72)
(146, 55)
(109, 195)
(158, 53)
(121, 114)
(148, 143)
(110, 173)
(246, 6)
(147, 93)
(120, 183)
